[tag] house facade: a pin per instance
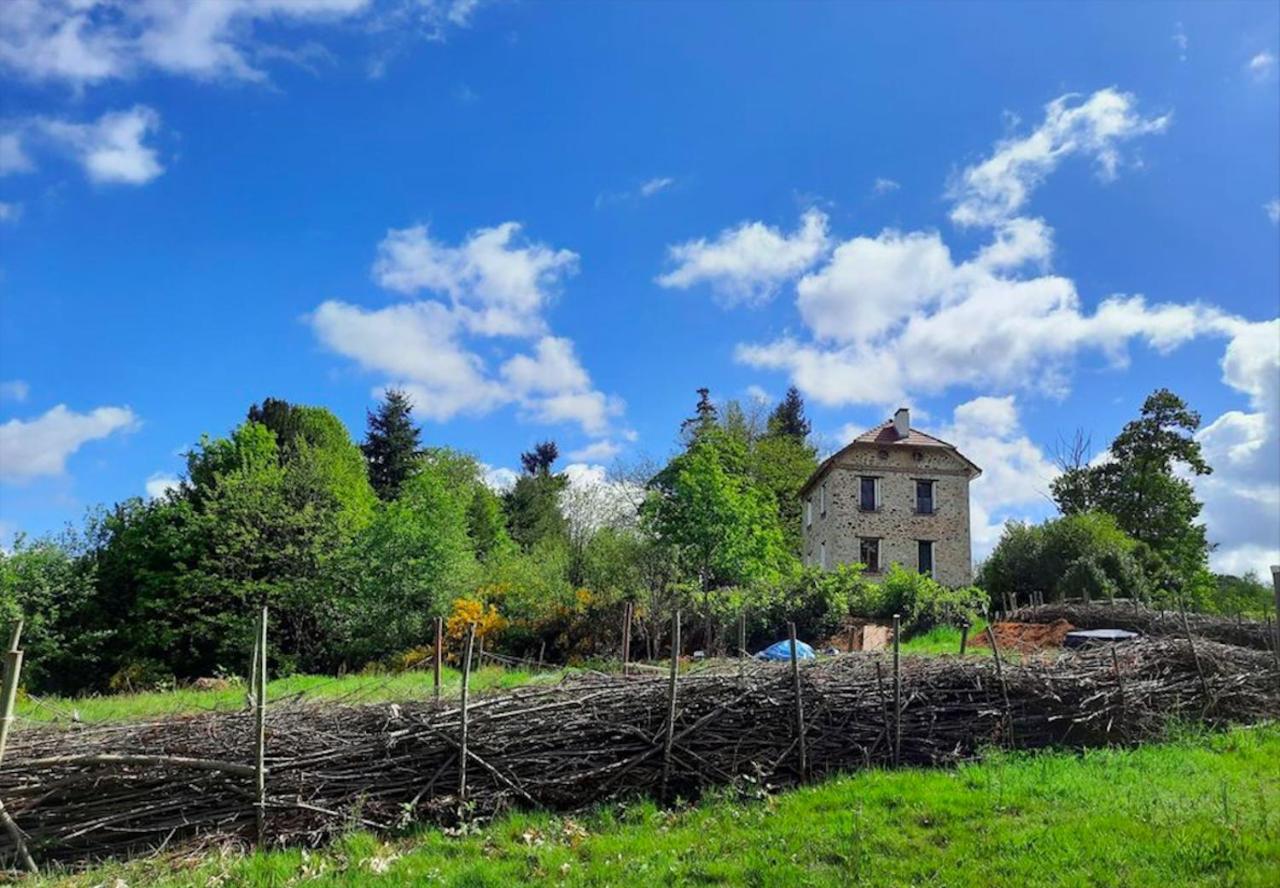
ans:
(894, 495)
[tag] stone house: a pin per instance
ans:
(894, 495)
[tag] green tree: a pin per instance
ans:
(408, 565)
(1141, 486)
(533, 503)
(788, 417)
(391, 444)
(721, 528)
(705, 418)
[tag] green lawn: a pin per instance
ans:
(1198, 810)
(351, 689)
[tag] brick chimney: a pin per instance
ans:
(902, 422)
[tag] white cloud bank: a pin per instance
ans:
(40, 447)
(495, 285)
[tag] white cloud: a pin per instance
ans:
(758, 394)
(552, 368)
(1016, 473)
(1180, 41)
(41, 446)
(596, 451)
(1262, 65)
(416, 344)
(1242, 496)
(84, 42)
(14, 390)
(656, 184)
(750, 262)
(111, 149)
(883, 186)
(13, 156)
(1272, 209)
(10, 212)
(499, 479)
(999, 186)
(498, 285)
(161, 483)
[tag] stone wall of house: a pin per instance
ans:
(841, 526)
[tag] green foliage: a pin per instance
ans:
(921, 601)
(44, 583)
(410, 563)
(486, 524)
(1246, 595)
(391, 444)
(1141, 487)
(1067, 557)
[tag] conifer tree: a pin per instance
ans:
(391, 444)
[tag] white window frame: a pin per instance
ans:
(808, 511)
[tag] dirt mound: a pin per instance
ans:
(1027, 637)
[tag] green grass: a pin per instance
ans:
(944, 640)
(351, 688)
(1200, 810)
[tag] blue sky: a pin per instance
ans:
(558, 220)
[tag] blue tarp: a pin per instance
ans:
(781, 650)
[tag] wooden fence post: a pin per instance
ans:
(260, 729)
(1004, 688)
(795, 685)
(1115, 662)
(1195, 657)
(1275, 582)
(671, 703)
(897, 692)
(626, 639)
(12, 672)
(964, 636)
(439, 656)
(462, 740)
(542, 652)
(742, 635)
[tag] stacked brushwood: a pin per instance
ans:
(1141, 619)
(123, 789)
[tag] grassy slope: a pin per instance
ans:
(1200, 810)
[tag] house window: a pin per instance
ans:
(924, 556)
(822, 555)
(867, 490)
(869, 553)
(924, 497)
(808, 511)
(823, 500)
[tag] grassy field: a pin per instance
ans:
(1201, 809)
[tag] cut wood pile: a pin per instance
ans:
(1123, 615)
(116, 790)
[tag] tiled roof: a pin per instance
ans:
(884, 435)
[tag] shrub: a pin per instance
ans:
(922, 601)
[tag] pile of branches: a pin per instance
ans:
(116, 790)
(1139, 618)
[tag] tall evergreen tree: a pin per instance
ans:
(533, 503)
(704, 419)
(391, 444)
(788, 417)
